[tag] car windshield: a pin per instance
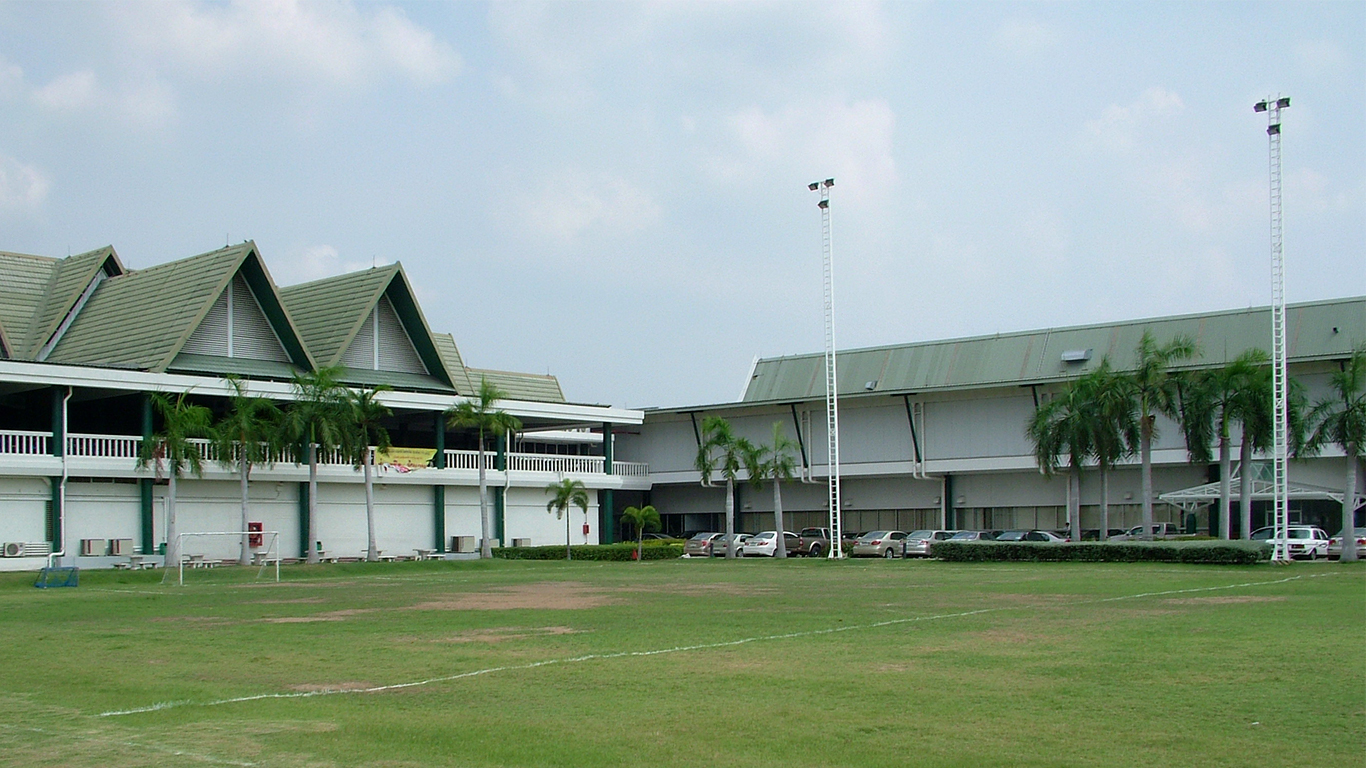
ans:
(920, 535)
(702, 536)
(871, 535)
(764, 535)
(1011, 536)
(960, 536)
(1299, 533)
(1263, 534)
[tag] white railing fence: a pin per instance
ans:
(25, 443)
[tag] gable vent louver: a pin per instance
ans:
(236, 327)
(382, 344)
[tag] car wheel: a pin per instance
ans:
(1313, 554)
(889, 554)
(815, 551)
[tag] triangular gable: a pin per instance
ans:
(73, 283)
(143, 319)
(338, 318)
(234, 327)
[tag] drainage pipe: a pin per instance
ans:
(61, 501)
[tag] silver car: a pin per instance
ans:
(878, 544)
(700, 544)
(720, 545)
(1335, 545)
(917, 543)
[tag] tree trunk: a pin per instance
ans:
(568, 550)
(1074, 502)
(1245, 485)
(485, 546)
(781, 549)
(372, 553)
(1145, 451)
(640, 543)
(1225, 487)
(172, 544)
(1104, 504)
(730, 519)
(313, 502)
(1349, 502)
(245, 472)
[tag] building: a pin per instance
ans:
(84, 341)
(932, 434)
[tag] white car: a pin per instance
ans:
(1304, 540)
(765, 544)
(1335, 544)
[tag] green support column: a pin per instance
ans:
(501, 464)
(303, 520)
(58, 445)
(607, 531)
(439, 491)
(950, 514)
(149, 544)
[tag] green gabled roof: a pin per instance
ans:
(329, 314)
(455, 366)
(23, 284)
(142, 319)
(532, 387)
(1035, 357)
(70, 277)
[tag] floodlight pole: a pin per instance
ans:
(832, 418)
(1279, 370)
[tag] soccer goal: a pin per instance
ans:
(193, 547)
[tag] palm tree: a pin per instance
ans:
(318, 416)
(566, 493)
(775, 462)
(722, 451)
(365, 417)
(1153, 388)
(479, 413)
(246, 435)
(1340, 419)
(1216, 400)
(1114, 429)
(172, 448)
(1064, 426)
(642, 518)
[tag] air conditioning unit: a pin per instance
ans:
(462, 544)
(93, 547)
(120, 547)
(14, 549)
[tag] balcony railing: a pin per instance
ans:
(127, 447)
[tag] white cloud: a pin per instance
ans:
(69, 92)
(1118, 128)
(315, 262)
(23, 188)
(1026, 36)
(569, 205)
(852, 142)
(11, 79)
(327, 43)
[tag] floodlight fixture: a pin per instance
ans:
(813, 186)
(829, 182)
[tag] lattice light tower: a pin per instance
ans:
(1279, 369)
(832, 417)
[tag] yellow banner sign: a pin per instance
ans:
(405, 459)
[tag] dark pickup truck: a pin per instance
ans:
(814, 542)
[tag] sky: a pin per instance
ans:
(616, 193)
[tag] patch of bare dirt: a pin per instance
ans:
(1225, 599)
(547, 595)
(295, 601)
(503, 634)
(327, 616)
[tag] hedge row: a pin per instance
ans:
(623, 551)
(1221, 552)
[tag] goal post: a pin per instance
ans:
(263, 557)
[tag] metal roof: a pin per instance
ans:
(455, 366)
(1321, 330)
(69, 279)
(21, 296)
(522, 386)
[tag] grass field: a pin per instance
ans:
(686, 663)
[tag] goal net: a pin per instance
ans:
(205, 549)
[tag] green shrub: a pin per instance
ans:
(1220, 552)
(596, 552)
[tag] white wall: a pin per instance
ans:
(23, 502)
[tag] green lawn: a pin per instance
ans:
(686, 663)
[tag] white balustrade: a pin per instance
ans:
(630, 469)
(103, 446)
(25, 443)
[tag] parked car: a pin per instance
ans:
(1160, 531)
(1335, 544)
(973, 536)
(720, 544)
(878, 544)
(814, 542)
(765, 544)
(1042, 537)
(917, 543)
(700, 544)
(1093, 534)
(1304, 540)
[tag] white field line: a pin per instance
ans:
(661, 651)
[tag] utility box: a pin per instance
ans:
(463, 544)
(120, 547)
(521, 542)
(93, 547)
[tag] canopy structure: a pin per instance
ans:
(1263, 489)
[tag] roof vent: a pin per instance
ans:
(870, 386)
(1076, 355)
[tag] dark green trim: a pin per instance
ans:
(54, 514)
(401, 297)
(500, 463)
(801, 442)
(950, 514)
(607, 447)
(607, 534)
(260, 283)
(439, 491)
(303, 519)
(58, 445)
(145, 484)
